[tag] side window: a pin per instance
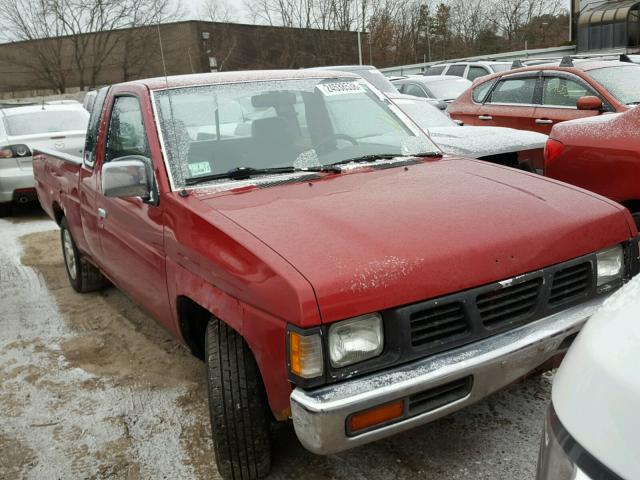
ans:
(457, 70)
(92, 129)
(562, 92)
(126, 130)
(434, 70)
(476, 72)
(514, 90)
(415, 90)
(480, 92)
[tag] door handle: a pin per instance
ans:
(485, 117)
(544, 121)
(102, 213)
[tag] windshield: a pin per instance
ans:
(378, 80)
(501, 67)
(448, 89)
(621, 82)
(45, 121)
(209, 130)
(424, 114)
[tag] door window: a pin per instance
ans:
(415, 90)
(126, 130)
(562, 92)
(480, 92)
(476, 72)
(515, 90)
(457, 70)
(434, 70)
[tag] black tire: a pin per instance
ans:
(6, 209)
(240, 418)
(83, 276)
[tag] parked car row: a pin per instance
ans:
(301, 233)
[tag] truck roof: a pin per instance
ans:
(176, 81)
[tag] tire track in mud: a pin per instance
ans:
(90, 385)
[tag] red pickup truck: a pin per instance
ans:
(601, 154)
(301, 235)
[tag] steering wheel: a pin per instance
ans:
(336, 136)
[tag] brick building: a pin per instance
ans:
(68, 64)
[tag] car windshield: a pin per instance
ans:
(424, 114)
(46, 121)
(501, 67)
(210, 130)
(621, 81)
(448, 89)
(378, 80)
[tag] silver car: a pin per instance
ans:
(55, 126)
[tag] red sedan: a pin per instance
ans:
(601, 154)
(536, 98)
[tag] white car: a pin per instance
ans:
(445, 88)
(504, 146)
(59, 126)
(468, 70)
(592, 430)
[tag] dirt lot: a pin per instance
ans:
(90, 387)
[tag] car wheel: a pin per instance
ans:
(83, 276)
(5, 209)
(237, 404)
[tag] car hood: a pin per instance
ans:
(479, 142)
(367, 240)
(596, 391)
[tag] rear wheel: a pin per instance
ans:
(5, 209)
(237, 403)
(83, 276)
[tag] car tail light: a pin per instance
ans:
(552, 150)
(15, 151)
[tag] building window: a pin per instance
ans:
(619, 34)
(634, 28)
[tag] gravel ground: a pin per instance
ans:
(90, 387)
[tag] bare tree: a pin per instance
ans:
(217, 11)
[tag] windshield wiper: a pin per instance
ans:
(385, 156)
(244, 173)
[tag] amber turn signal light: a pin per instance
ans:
(376, 416)
(305, 355)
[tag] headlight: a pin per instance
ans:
(553, 462)
(610, 262)
(355, 340)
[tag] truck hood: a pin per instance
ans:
(479, 142)
(374, 239)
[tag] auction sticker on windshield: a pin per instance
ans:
(339, 88)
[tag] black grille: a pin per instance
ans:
(508, 304)
(441, 323)
(571, 283)
(439, 396)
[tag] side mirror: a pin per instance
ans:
(589, 103)
(128, 177)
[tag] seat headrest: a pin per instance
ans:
(271, 130)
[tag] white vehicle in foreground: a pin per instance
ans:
(57, 126)
(592, 430)
(504, 146)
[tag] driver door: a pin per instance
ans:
(131, 231)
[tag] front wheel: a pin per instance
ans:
(83, 276)
(237, 404)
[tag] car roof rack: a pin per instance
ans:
(566, 61)
(517, 63)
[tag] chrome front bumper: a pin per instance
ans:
(320, 415)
